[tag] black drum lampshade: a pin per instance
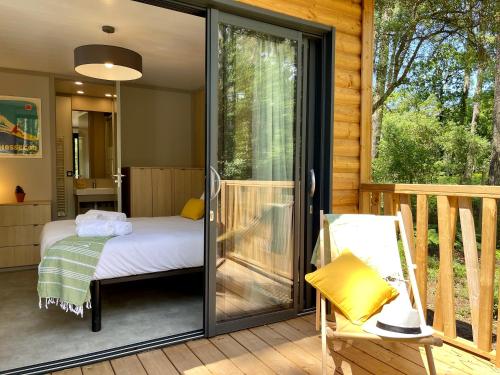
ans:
(108, 62)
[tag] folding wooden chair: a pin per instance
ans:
(385, 228)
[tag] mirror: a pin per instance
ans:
(93, 144)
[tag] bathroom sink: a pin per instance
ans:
(95, 191)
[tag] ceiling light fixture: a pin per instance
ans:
(108, 62)
(108, 95)
(80, 92)
(114, 96)
(78, 83)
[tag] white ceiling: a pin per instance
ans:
(41, 36)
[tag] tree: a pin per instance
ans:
(443, 50)
(416, 147)
(409, 149)
(477, 28)
(462, 151)
(406, 31)
(494, 175)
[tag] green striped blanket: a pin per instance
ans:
(66, 270)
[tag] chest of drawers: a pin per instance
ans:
(20, 227)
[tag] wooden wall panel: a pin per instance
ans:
(353, 21)
(366, 99)
(141, 192)
(197, 183)
(162, 191)
(187, 183)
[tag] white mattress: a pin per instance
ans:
(155, 245)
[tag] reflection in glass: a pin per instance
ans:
(256, 161)
(93, 144)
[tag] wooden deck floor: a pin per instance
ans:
(291, 347)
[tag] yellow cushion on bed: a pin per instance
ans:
(356, 289)
(194, 209)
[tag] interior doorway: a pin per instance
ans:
(152, 284)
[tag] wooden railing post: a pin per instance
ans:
(396, 206)
(447, 290)
(422, 248)
(497, 358)
(471, 260)
(453, 218)
(487, 277)
(375, 203)
(364, 203)
(437, 322)
(405, 207)
(388, 204)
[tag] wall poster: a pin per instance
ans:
(20, 127)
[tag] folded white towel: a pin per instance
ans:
(100, 215)
(103, 228)
(108, 215)
(83, 217)
(94, 228)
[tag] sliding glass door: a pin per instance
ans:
(254, 158)
(117, 146)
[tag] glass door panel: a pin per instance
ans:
(257, 157)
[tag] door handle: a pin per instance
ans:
(118, 178)
(213, 181)
(312, 184)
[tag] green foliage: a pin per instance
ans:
(417, 147)
(456, 142)
(434, 60)
(433, 238)
(409, 148)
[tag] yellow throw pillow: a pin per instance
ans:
(194, 209)
(356, 289)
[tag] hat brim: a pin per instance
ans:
(371, 327)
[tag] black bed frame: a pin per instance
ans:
(95, 288)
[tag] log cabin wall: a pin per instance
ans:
(353, 20)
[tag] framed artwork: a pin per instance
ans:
(20, 127)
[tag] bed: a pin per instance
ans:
(158, 247)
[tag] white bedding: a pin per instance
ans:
(155, 245)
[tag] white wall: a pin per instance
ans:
(156, 127)
(34, 175)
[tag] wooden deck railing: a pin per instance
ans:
(453, 202)
(252, 232)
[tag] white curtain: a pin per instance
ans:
(273, 109)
